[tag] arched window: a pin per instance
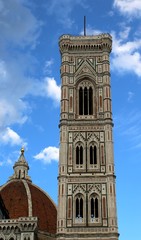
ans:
(81, 101)
(93, 155)
(94, 207)
(79, 207)
(79, 155)
(85, 101)
(90, 101)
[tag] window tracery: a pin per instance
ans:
(85, 92)
(79, 154)
(94, 208)
(93, 154)
(79, 207)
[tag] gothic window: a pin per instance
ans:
(19, 173)
(93, 155)
(85, 101)
(79, 207)
(81, 101)
(79, 155)
(94, 207)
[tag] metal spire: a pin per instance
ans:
(84, 25)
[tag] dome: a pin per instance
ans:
(24, 199)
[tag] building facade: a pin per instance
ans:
(86, 182)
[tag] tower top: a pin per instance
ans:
(92, 43)
(21, 168)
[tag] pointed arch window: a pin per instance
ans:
(94, 207)
(79, 207)
(93, 155)
(81, 101)
(90, 101)
(85, 101)
(79, 155)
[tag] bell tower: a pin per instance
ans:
(86, 181)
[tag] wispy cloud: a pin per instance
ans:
(91, 31)
(48, 65)
(9, 159)
(48, 155)
(128, 125)
(62, 9)
(128, 8)
(13, 29)
(130, 96)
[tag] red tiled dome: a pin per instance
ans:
(22, 199)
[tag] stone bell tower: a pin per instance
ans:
(86, 181)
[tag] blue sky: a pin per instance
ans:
(30, 90)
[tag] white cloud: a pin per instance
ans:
(9, 136)
(126, 55)
(48, 155)
(129, 7)
(52, 90)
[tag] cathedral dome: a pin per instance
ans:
(24, 199)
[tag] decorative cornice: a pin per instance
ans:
(81, 43)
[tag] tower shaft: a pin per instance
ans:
(86, 181)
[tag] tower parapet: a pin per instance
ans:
(89, 43)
